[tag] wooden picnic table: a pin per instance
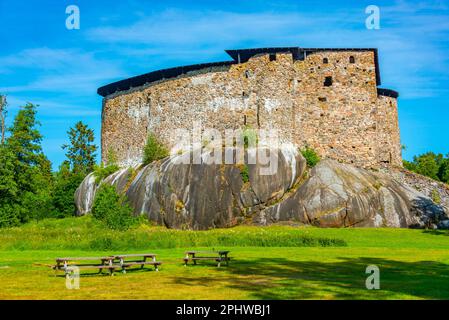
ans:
(107, 262)
(218, 256)
(65, 264)
(125, 263)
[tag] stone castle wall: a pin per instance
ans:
(347, 120)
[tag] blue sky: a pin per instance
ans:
(43, 62)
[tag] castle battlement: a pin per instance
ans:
(325, 98)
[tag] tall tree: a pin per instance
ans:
(82, 151)
(66, 183)
(443, 172)
(9, 211)
(427, 164)
(2, 117)
(32, 169)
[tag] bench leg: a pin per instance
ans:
(219, 264)
(111, 272)
(123, 270)
(156, 267)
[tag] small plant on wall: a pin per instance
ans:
(311, 156)
(102, 170)
(154, 150)
(249, 136)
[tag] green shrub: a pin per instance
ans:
(112, 209)
(430, 164)
(65, 185)
(154, 150)
(250, 138)
(311, 156)
(101, 171)
(435, 196)
(409, 165)
(244, 172)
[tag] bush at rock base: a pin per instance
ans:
(112, 209)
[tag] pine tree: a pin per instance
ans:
(9, 207)
(81, 151)
(80, 161)
(3, 113)
(66, 183)
(32, 169)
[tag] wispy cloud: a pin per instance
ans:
(58, 70)
(56, 108)
(409, 40)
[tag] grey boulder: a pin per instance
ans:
(204, 196)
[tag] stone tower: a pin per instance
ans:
(325, 98)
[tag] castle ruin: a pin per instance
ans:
(324, 98)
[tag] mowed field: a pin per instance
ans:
(278, 262)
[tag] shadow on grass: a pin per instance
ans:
(280, 278)
(84, 274)
(437, 232)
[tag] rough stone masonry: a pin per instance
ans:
(327, 99)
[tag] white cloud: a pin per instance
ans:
(58, 70)
(54, 108)
(176, 28)
(411, 41)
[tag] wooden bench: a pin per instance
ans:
(218, 256)
(124, 263)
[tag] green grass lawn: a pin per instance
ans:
(278, 262)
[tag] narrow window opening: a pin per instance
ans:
(272, 56)
(328, 81)
(325, 60)
(322, 99)
(351, 59)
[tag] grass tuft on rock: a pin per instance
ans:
(154, 150)
(311, 156)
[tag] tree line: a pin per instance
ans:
(430, 164)
(29, 190)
